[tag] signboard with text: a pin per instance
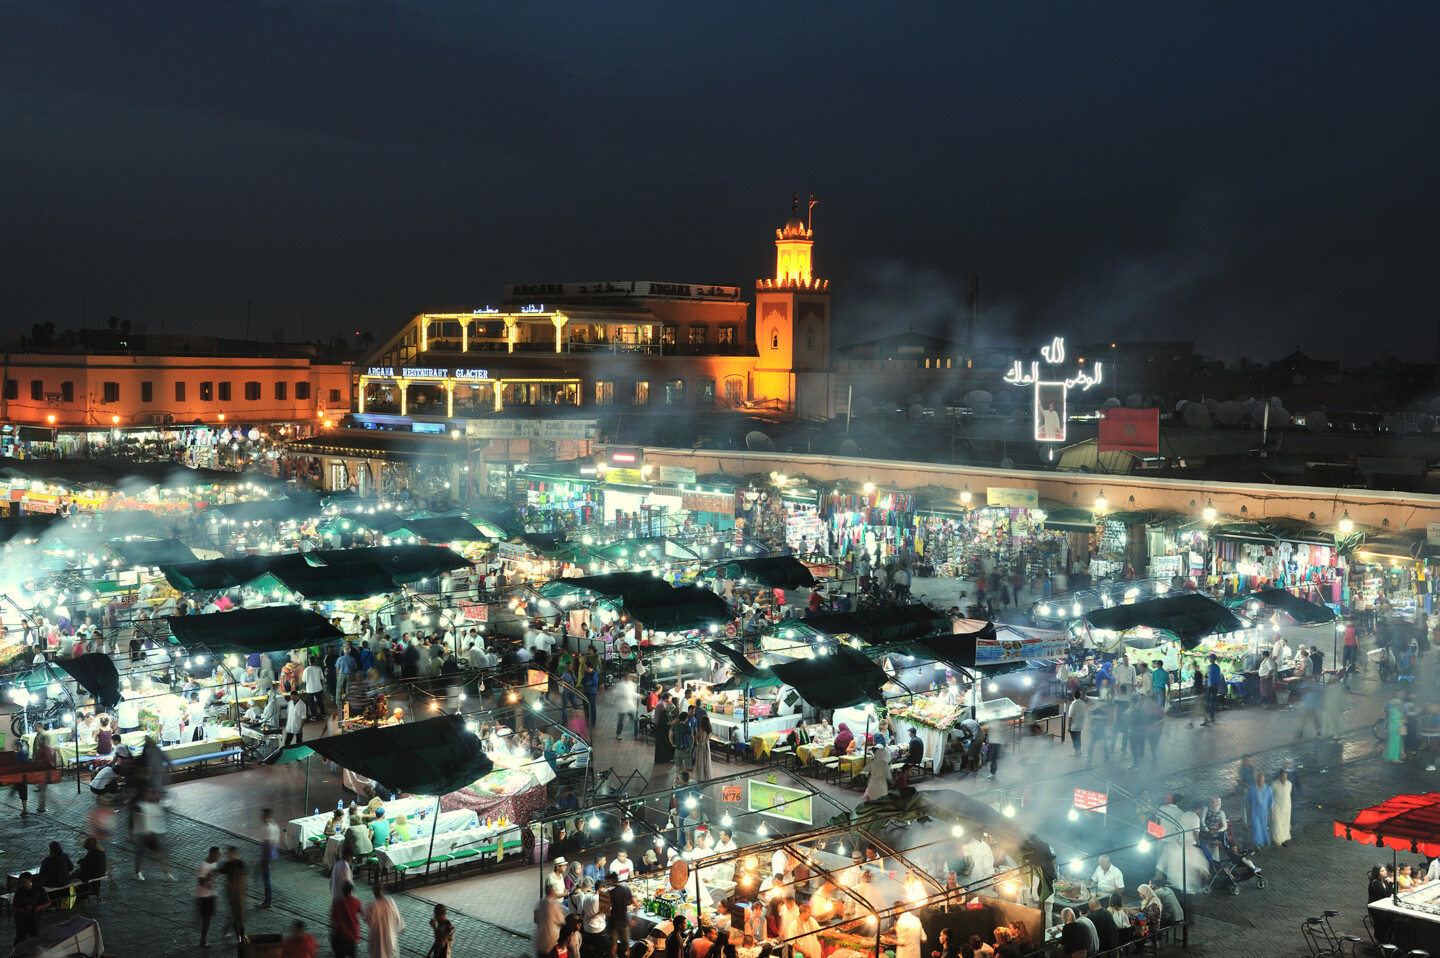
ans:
(1003, 498)
(708, 502)
(1051, 394)
(1028, 649)
(531, 428)
(1090, 801)
(540, 291)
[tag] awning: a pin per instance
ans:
(26, 527)
(432, 757)
(269, 629)
(1301, 610)
(1070, 520)
(379, 444)
(884, 625)
(785, 572)
(323, 574)
(1406, 823)
(133, 522)
(445, 529)
(298, 509)
(844, 677)
(1190, 617)
(629, 587)
(147, 552)
(681, 610)
(95, 673)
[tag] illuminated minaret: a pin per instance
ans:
(792, 309)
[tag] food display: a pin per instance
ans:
(931, 712)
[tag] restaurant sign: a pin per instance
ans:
(1090, 801)
(469, 374)
(531, 428)
(1029, 649)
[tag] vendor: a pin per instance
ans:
(1107, 878)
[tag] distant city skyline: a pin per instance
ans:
(1233, 175)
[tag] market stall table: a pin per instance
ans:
(512, 794)
(300, 831)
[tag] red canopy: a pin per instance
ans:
(1406, 823)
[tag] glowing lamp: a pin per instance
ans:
(1346, 524)
(1209, 511)
(1101, 503)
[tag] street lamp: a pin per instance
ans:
(1101, 503)
(965, 494)
(1209, 511)
(1346, 524)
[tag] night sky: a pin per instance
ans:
(1251, 176)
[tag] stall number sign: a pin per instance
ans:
(731, 793)
(1091, 801)
(1155, 829)
(474, 612)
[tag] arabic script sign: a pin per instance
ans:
(1051, 394)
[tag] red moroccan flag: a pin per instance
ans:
(1132, 430)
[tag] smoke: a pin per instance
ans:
(892, 297)
(1139, 296)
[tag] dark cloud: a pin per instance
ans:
(1224, 172)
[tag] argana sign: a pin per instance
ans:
(1051, 395)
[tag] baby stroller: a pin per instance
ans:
(1229, 866)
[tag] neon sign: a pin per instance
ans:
(1050, 421)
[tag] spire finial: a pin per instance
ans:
(795, 203)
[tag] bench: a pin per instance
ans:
(228, 755)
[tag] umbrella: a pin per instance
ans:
(286, 754)
(1405, 823)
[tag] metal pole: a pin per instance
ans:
(434, 825)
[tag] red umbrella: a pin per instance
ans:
(1405, 823)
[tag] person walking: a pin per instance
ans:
(549, 917)
(299, 943)
(345, 923)
(444, 930)
(1076, 723)
(269, 851)
(233, 868)
(295, 721)
(313, 679)
(1258, 804)
(1280, 808)
(205, 892)
(1214, 682)
(149, 824)
(385, 923)
(626, 697)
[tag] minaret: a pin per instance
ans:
(792, 318)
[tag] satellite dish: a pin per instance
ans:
(1180, 406)
(1007, 463)
(1134, 401)
(916, 412)
(1280, 416)
(914, 398)
(849, 447)
(1317, 421)
(757, 441)
(1111, 403)
(1230, 412)
(1196, 416)
(997, 360)
(863, 407)
(1003, 396)
(1212, 404)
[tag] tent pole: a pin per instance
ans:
(75, 740)
(306, 803)
(434, 824)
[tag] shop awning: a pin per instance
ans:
(146, 552)
(379, 444)
(297, 509)
(1404, 548)
(844, 677)
(1301, 610)
(213, 575)
(682, 609)
(95, 673)
(446, 529)
(270, 629)
(1070, 520)
(636, 588)
(323, 574)
(432, 757)
(1406, 823)
(1190, 617)
(133, 522)
(884, 625)
(784, 572)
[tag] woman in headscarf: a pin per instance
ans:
(56, 869)
(1149, 906)
(843, 740)
(1258, 802)
(878, 784)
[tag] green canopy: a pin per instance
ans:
(785, 572)
(844, 677)
(1188, 617)
(883, 625)
(324, 574)
(243, 631)
(298, 508)
(1301, 610)
(133, 522)
(446, 529)
(681, 610)
(148, 552)
(431, 757)
(628, 587)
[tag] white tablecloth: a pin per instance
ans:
(301, 830)
(447, 842)
(722, 724)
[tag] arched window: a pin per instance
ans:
(810, 339)
(704, 391)
(674, 392)
(734, 390)
(774, 337)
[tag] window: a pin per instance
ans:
(147, 391)
(302, 390)
(734, 390)
(334, 397)
(674, 392)
(704, 391)
(37, 389)
(699, 335)
(207, 392)
(67, 391)
(225, 391)
(605, 394)
(641, 394)
(775, 338)
(252, 392)
(727, 336)
(12, 389)
(810, 341)
(667, 334)
(179, 392)
(110, 392)
(282, 390)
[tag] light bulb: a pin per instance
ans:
(957, 831)
(1074, 816)
(1009, 811)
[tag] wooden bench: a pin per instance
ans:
(234, 756)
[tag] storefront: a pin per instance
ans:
(556, 500)
(1247, 562)
(881, 523)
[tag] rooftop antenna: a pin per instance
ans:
(810, 213)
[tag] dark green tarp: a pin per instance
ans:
(323, 574)
(268, 510)
(147, 552)
(212, 575)
(432, 757)
(1301, 610)
(637, 587)
(269, 629)
(1190, 617)
(445, 529)
(844, 677)
(682, 609)
(782, 572)
(95, 673)
(26, 527)
(883, 625)
(956, 651)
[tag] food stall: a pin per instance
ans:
(1402, 823)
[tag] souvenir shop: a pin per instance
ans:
(1178, 548)
(557, 501)
(805, 530)
(1314, 571)
(959, 546)
(883, 523)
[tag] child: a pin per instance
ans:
(444, 934)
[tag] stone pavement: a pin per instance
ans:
(157, 918)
